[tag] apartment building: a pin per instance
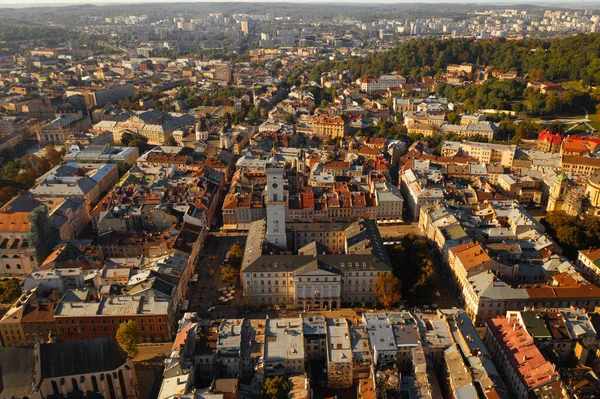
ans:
(482, 129)
(549, 141)
(28, 320)
(482, 152)
(330, 126)
(579, 165)
(339, 354)
(77, 319)
(523, 367)
(76, 180)
(284, 347)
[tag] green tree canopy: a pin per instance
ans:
(170, 140)
(276, 388)
(128, 336)
(10, 290)
(389, 289)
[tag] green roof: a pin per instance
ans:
(455, 232)
(535, 326)
(560, 178)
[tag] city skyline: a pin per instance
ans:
(37, 3)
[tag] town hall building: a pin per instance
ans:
(309, 265)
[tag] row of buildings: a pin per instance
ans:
(424, 354)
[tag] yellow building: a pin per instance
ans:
(332, 126)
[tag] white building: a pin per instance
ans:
(482, 152)
(419, 186)
(339, 354)
(284, 347)
(389, 203)
(383, 83)
(57, 279)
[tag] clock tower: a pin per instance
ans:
(275, 206)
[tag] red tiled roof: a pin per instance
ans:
(550, 136)
(531, 366)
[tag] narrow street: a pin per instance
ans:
(203, 293)
(149, 364)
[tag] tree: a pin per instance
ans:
(425, 285)
(7, 193)
(42, 232)
(254, 115)
(389, 289)
(140, 143)
(128, 337)
(236, 255)
(126, 138)
(170, 140)
(123, 168)
(290, 119)
(228, 274)
(43, 165)
(9, 291)
(276, 388)
(53, 155)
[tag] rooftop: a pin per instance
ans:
(284, 339)
(530, 365)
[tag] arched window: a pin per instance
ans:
(122, 382)
(55, 387)
(16, 257)
(75, 385)
(95, 383)
(111, 387)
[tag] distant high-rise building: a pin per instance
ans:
(245, 26)
(223, 72)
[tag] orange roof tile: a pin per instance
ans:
(531, 366)
(473, 256)
(15, 222)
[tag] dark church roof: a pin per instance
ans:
(84, 356)
(16, 371)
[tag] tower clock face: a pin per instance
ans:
(274, 185)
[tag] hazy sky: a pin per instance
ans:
(579, 4)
